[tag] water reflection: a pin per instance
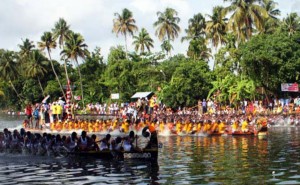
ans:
(41, 170)
(182, 160)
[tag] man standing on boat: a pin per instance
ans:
(60, 102)
(28, 112)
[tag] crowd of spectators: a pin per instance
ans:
(152, 108)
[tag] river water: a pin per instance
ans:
(182, 160)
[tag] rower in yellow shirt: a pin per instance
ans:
(222, 127)
(71, 125)
(96, 126)
(52, 126)
(206, 126)
(214, 126)
(114, 125)
(244, 126)
(178, 127)
(91, 127)
(161, 127)
(125, 126)
(65, 125)
(199, 126)
(235, 126)
(189, 127)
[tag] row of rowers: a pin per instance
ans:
(73, 142)
(179, 126)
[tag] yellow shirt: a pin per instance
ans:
(59, 109)
(152, 103)
(161, 127)
(189, 127)
(206, 127)
(222, 127)
(178, 127)
(91, 127)
(244, 126)
(235, 126)
(54, 109)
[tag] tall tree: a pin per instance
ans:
(246, 16)
(198, 50)
(124, 24)
(166, 46)
(196, 27)
(291, 23)
(76, 48)
(47, 42)
(271, 22)
(36, 67)
(9, 68)
(61, 31)
(143, 41)
(216, 27)
(25, 48)
(167, 24)
(167, 27)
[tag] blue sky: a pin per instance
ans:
(22, 19)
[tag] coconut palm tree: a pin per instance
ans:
(271, 22)
(216, 27)
(25, 48)
(36, 67)
(167, 24)
(166, 46)
(124, 24)
(143, 41)
(9, 68)
(291, 23)
(75, 48)
(196, 28)
(61, 31)
(48, 43)
(198, 50)
(246, 16)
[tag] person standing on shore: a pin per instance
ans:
(28, 112)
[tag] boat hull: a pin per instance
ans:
(149, 154)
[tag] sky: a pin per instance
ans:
(21, 19)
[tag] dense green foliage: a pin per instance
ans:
(252, 49)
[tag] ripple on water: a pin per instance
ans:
(288, 182)
(278, 174)
(295, 177)
(8, 183)
(27, 179)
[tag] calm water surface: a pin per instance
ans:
(182, 160)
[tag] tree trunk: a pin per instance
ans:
(56, 75)
(126, 46)
(12, 85)
(80, 82)
(67, 76)
(41, 86)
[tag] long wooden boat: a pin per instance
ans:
(240, 133)
(146, 154)
(149, 152)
